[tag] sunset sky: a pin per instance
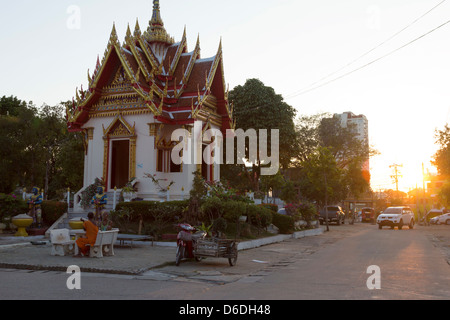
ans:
(48, 46)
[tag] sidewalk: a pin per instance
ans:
(20, 253)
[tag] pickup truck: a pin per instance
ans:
(396, 217)
(335, 214)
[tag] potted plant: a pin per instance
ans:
(129, 191)
(157, 182)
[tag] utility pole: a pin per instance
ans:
(396, 174)
(424, 196)
(326, 202)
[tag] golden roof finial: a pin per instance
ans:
(156, 31)
(128, 36)
(137, 29)
(156, 16)
(113, 39)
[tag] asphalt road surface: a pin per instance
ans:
(350, 262)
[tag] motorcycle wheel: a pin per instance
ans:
(180, 255)
(233, 250)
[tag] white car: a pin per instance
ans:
(443, 219)
(434, 220)
(396, 216)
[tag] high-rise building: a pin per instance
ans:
(361, 125)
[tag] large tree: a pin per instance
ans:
(322, 181)
(321, 135)
(18, 127)
(37, 149)
(441, 159)
(343, 142)
(257, 106)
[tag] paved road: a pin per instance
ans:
(412, 265)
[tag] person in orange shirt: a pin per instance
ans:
(91, 235)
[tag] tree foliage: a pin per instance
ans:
(441, 159)
(330, 150)
(257, 106)
(37, 149)
(321, 178)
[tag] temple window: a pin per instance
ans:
(164, 162)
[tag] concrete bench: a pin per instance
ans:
(131, 237)
(104, 244)
(61, 243)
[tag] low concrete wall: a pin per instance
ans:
(278, 238)
(245, 245)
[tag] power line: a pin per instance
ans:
(370, 51)
(371, 62)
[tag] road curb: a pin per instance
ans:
(245, 245)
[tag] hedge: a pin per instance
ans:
(271, 206)
(284, 223)
(52, 211)
(259, 216)
(148, 211)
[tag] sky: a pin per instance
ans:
(48, 46)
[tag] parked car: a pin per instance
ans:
(335, 214)
(396, 216)
(282, 211)
(367, 215)
(443, 219)
(433, 220)
(433, 213)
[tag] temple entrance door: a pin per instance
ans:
(120, 163)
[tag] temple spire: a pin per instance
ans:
(156, 16)
(156, 31)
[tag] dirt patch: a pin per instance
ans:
(439, 235)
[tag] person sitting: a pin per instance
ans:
(106, 223)
(91, 235)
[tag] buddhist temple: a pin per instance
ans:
(139, 92)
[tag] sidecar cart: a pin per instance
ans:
(217, 248)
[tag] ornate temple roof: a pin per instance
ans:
(151, 73)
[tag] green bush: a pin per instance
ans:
(148, 211)
(157, 217)
(283, 222)
(11, 205)
(259, 216)
(308, 211)
(211, 209)
(220, 225)
(52, 211)
(271, 206)
(233, 210)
